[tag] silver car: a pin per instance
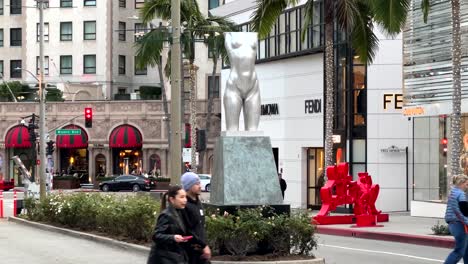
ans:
(205, 182)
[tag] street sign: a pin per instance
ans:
(187, 155)
(68, 132)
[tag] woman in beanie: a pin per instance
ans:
(198, 253)
(170, 236)
(456, 218)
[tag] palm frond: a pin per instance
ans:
(390, 14)
(150, 46)
(364, 41)
(266, 14)
(309, 9)
(156, 9)
(425, 7)
(346, 12)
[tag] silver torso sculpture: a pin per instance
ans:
(242, 90)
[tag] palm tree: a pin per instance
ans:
(197, 27)
(217, 51)
(354, 17)
(455, 127)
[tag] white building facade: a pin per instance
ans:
(371, 132)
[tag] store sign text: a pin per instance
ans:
(413, 111)
(395, 99)
(269, 109)
(313, 106)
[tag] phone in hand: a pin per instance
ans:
(187, 237)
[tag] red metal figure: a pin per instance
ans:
(340, 189)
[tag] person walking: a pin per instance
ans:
(457, 220)
(170, 233)
(198, 253)
(283, 184)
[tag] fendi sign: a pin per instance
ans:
(313, 106)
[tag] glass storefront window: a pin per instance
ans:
(430, 159)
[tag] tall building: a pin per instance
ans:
(89, 48)
(370, 131)
(428, 101)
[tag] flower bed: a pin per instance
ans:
(131, 218)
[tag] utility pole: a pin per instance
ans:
(42, 110)
(176, 143)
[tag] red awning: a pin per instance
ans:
(72, 141)
(125, 136)
(18, 137)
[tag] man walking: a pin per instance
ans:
(283, 184)
(195, 217)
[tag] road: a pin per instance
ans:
(22, 244)
(336, 249)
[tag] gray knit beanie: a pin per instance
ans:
(189, 179)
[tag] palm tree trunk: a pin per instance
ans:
(456, 139)
(209, 110)
(329, 84)
(165, 105)
(193, 116)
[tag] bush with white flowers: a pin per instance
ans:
(131, 217)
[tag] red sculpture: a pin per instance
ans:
(340, 189)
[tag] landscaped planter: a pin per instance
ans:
(66, 183)
(162, 185)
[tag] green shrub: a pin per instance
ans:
(132, 217)
(250, 232)
(101, 179)
(65, 177)
(440, 229)
(160, 179)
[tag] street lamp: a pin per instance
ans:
(28, 71)
(42, 143)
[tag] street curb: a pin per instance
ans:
(82, 235)
(386, 236)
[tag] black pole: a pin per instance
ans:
(407, 180)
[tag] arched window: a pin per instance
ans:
(155, 165)
(100, 165)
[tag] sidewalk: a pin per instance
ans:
(401, 228)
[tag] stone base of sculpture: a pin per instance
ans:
(244, 173)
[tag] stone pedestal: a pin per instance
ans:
(244, 172)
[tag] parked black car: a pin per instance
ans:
(126, 182)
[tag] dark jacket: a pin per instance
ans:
(195, 222)
(165, 250)
(283, 186)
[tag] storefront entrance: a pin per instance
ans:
(126, 143)
(17, 144)
(73, 154)
(127, 161)
(315, 176)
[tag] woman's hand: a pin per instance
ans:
(179, 239)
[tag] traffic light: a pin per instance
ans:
(50, 147)
(444, 143)
(88, 117)
(32, 126)
(201, 140)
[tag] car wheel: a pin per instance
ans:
(136, 188)
(105, 188)
(208, 187)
